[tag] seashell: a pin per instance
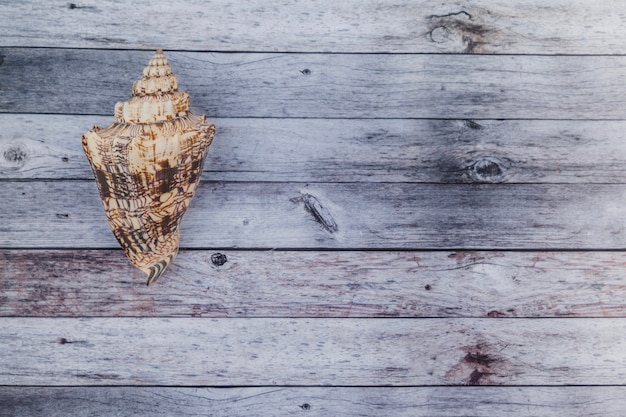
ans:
(147, 165)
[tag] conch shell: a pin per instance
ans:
(147, 165)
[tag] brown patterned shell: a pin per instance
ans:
(147, 165)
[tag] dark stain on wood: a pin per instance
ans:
(65, 341)
(73, 6)
(482, 365)
(496, 314)
(479, 358)
(98, 376)
(476, 377)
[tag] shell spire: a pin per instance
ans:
(147, 165)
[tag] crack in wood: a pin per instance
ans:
(438, 16)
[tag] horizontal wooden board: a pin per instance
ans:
(63, 81)
(99, 283)
(289, 351)
(487, 26)
(69, 214)
(313, 401)
(41, 146)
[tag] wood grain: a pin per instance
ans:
(99, 283)
(487, 26)
(38, 146)
(367, 215)
(325, 85)
(303, 352)
(314, 401)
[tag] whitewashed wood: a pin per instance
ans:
(289, 351)
(55, 283)
(487, 26)
(325, 85)
(314, 401)
(38, 146)
(69, 214)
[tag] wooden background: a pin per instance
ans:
(422, 206)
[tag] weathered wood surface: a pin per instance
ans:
(314, 401)
(37, 146)
(290, 351)
(354, 149)
(44, 214)
(56, 283)
(488, 26)
(325, 85)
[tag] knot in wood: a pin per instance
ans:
(487, 169)
(218, 259)
(320, 213)
(440, 34)
(460, 31)
(15, 156)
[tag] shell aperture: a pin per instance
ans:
(147, 165)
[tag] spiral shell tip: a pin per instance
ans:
(155, 270)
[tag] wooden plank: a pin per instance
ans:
(487, 26)
(36, 146)
(97, 283)
(325, 85)
(314, 401)
(319, 284)
(68, 214)
(303, 352)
